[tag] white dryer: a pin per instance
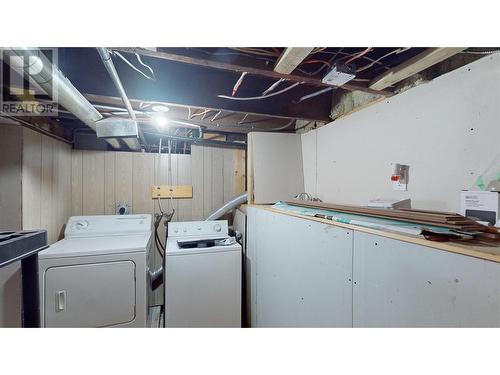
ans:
(97, 276)
(202, 275)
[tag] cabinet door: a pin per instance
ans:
(398, 284)
(303, 271)
(90, 295)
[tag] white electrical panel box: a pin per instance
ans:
(339, 75)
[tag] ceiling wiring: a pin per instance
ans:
(203, 112)
(318, 49)
(278, 128)
(316, 62)
(358, 55)
(153, 78)
(229, 53)
(346, 54)
(273, 86)
(396, 51)
(238, 83)
(243, 119)
(216, 115)
(145, 65)
(487, 52)
(330, 61)
(262, 96)
(316, 93)
(257, 51)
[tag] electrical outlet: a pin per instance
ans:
(399, 176)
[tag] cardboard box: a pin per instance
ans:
(480, 205)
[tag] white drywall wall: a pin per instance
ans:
(276, 166)
(447, 130)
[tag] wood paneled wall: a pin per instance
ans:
(46, 184)
(10, 219)
(102, 179)
(10, 176)
(35, 193)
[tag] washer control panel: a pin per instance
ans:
(197, 228)
(107, 225)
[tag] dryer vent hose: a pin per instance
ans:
(156, 278)
(228, 206)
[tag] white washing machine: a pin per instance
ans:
(202, 275)
(97, 276)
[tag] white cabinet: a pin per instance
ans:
(300, 271)
(399, 284)
(310, 274)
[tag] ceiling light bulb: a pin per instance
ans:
(160, 108)
(161, 121)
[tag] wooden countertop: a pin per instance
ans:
(476, 250)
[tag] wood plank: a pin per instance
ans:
(142, 180)
(176, 191)
(291, 58)
(250, 70)
(391, 214)
(57, 200)
(109, 183)
(46, 188)
(207, 181)
(228, 171)
(123, 178)
(93, 183)
(77, 182)
(32, 179)
(184, 178)
(217, 175)
(197, 163)
(239, 169)
(66, 187)
(416, 64)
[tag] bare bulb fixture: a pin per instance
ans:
(160, 121)
(160, 108)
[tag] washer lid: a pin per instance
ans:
(73, 247)
(198, 246)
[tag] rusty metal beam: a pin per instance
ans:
(240, 69)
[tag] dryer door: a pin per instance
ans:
(90, 295)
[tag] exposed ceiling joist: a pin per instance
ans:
(240, 69)
(422, 61)
(291, 58)
(227, 121)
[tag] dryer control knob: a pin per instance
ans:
(79, 225)
(217, 228)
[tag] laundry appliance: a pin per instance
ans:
(202, 275)
(97, 276)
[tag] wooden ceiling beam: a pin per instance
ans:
(240, 69)
(229, 122)
(291, 59)
(416, 64)
(116, 101)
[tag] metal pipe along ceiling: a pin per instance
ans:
(60, 89)
(110, 67)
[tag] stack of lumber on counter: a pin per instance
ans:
(449, 220)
